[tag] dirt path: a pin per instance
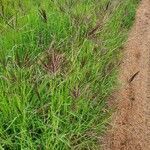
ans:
(131, 123)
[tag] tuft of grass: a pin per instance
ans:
(58, 63)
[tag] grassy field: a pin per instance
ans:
(58, 61)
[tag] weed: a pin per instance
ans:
(57, 68)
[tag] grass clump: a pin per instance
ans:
(57, 68)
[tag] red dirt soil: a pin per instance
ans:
(130, 128)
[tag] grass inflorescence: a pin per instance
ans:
(58, 62)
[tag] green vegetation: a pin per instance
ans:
(58, 63)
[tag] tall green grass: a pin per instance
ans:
(58, 63)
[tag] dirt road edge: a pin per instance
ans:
(130, 128)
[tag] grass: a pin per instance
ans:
(58, 63)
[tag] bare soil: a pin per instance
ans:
(130, 128)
